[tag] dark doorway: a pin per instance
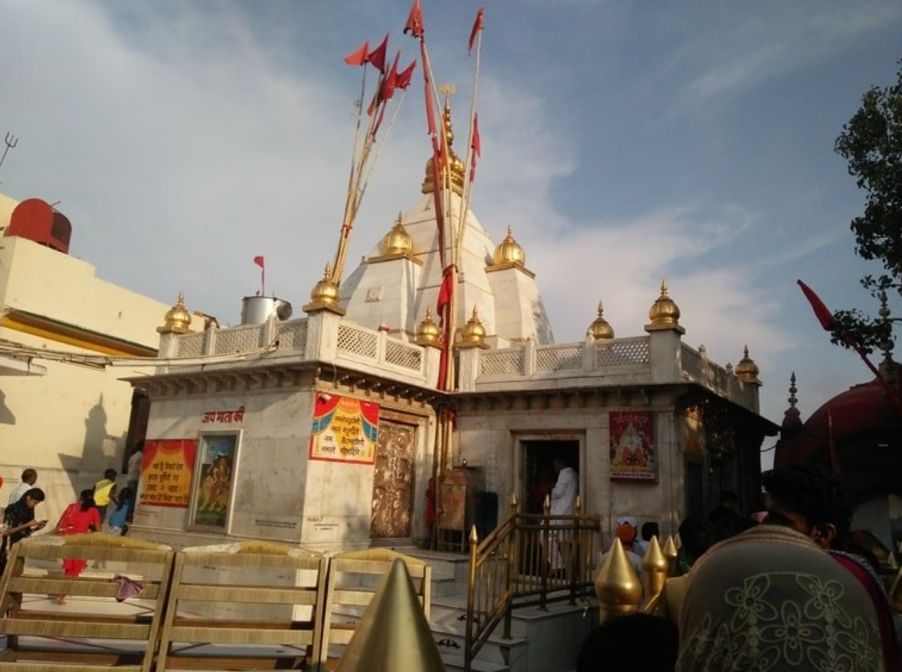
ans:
(538, 472)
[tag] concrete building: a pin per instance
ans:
(70, 421)
(322, 430)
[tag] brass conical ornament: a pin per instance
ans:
(473, 333)
(664, 313)
(393, 634)
(325, 294)
(656, 567)
(177, 319)
(509, 251)
(457, 169)
(600, 330)
(670, 552)
(617, 587)
(746, 370)
(397, 242)
(428, 332)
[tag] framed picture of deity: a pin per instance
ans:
(633, 454)
(214, 481)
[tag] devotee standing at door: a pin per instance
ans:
(563, 503)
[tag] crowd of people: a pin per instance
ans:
(105, 506)
(785, 588)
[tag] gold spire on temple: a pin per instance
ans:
(457, 168)
(664, 313)
(397, 242)
(656, 567)
(509, 251)
(177, 319)
(746, 370)
(325, 295)
(600, 330)
(473, 333)
(428, 332)
(617, 587)
(393, 634)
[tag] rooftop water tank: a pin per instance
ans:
(257, 309)
(37, 220)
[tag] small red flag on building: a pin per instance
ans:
(406, 75)
(377, 55)
(477, 26)
(359, 57)
(414, 24)
(262, 264)
(476, 144)
(823, 314)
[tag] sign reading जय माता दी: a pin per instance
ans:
(344, 429)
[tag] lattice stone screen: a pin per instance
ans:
(357, 341)
(292, 335)
(559, 357)
(622, 352)
(501, 362)
(191, 345)
(405, 356)
(239, 339)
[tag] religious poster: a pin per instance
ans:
(633, 446)
(344, 429)
(166, 470)
(216, 460)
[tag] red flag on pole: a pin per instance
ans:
(406, 75)
(359, 57)
(414, 24)
(377, 55)
(262, 264)
(476, 144)
(477, 26)
(823, 314)
(387, 89)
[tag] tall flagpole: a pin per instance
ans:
(465, 199)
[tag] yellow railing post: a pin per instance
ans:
(471, 599)
(513, 566)
(617, 587)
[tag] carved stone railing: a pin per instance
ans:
(699, 369)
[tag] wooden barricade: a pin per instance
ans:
(103, 633)
(353, 578)
(211, 641)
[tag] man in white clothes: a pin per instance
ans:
(29, 478)
(563, 503)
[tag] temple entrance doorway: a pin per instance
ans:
(393, 486)
(538, 475)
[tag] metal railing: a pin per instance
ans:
(528, 560)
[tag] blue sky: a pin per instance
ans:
(623, 141)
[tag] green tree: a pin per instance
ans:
(871, 142)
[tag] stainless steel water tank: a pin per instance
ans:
(257, 309)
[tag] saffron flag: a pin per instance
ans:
(821, 311)
(414, 24)
(477, 26)
(476, 144)
(359, 57)
(390, 83)
(444, 294)
(259, 261)
(377, 55)
(406, 75)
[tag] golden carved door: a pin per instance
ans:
(393, 480)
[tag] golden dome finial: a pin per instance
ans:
(325, 294)
(746, 370)
(600, 330)
(428, 332)
(455, 166)
(397, 241)
(509, 251)
(617, 587)
(792, 418)
(177, 319)
(473, 333)
(664, 313)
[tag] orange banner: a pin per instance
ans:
(166, 471)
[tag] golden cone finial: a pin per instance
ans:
(600, 330)
(325, 294)
(656, 567)
(670, 552)
(177, 319)
(428, 332)
(617, 587)
(473, 334)
(509, 252)
(397, 242)
(474, 535)
(746, 369)
(393, 634)
(664, 313)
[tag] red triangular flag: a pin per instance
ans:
(477, 26)
(430, 110)
(387, 90)
(821, 311)
(414, 23)
(377, 55)
(476, 144)
(259, 261)
(406, 75)
(359, 57)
